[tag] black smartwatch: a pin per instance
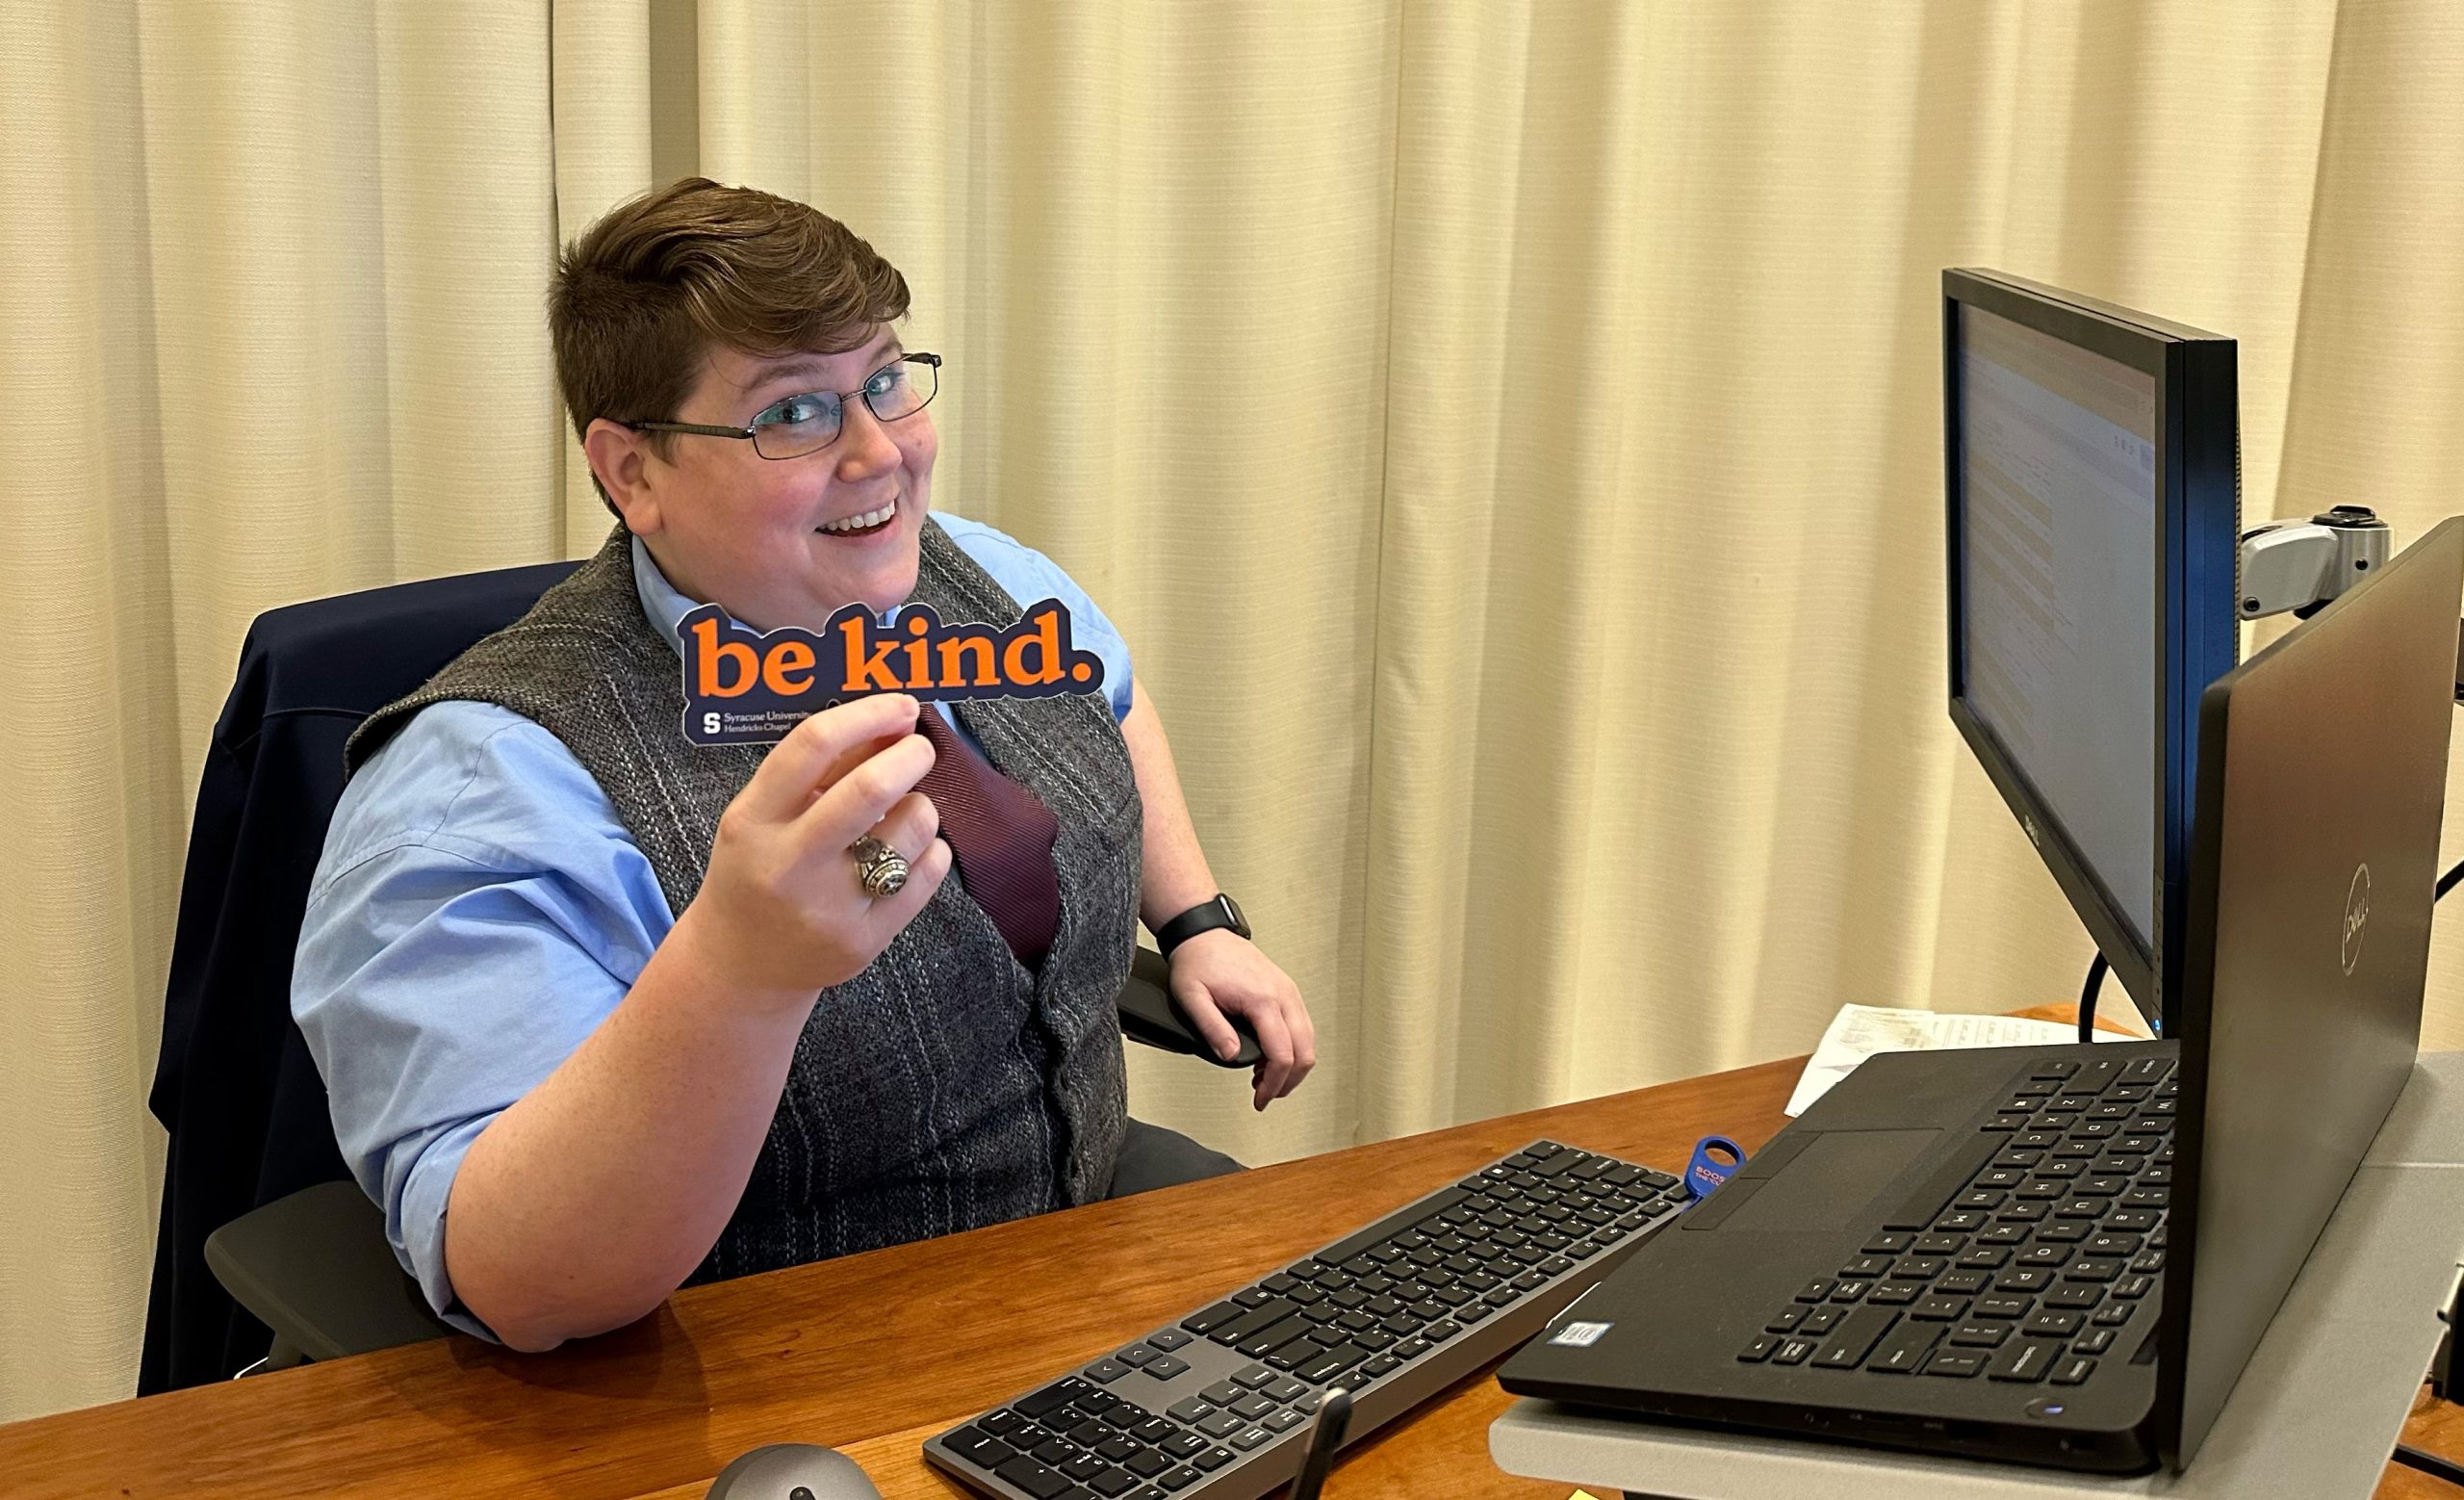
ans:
(1205, 917)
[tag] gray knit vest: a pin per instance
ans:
(943, 1088)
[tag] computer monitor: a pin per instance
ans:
(2091, 464)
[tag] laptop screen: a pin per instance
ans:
(2322, 773)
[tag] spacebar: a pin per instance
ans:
(1392, 1224)
(1924, 1204)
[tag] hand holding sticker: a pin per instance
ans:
(782, 911)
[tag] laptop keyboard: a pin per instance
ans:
(2024, 1259)
(1215, 1407)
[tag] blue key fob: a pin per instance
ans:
(1716, 1158)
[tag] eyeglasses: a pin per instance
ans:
(795, 425)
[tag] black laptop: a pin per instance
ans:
(1980, 1252)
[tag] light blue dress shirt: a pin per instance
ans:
(480, 908)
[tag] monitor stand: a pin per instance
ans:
(2314, 1416)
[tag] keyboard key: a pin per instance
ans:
(1939, 1309)
(1784, 1319)
(1283, 1387)
(1179, 1479)
(1182, 1445)
(1052, 1398)
(1223, 1393)
(1168, 1339)
(2022, 1360)
(1038, 1480)
(1214, 1317)
(1254, 1409)
(1857, 1334)
(2052, 1324)
(1189, 1409)
(1870, 1266)
(2074, 1368)
(1792, 1351)
(1134, 1354)
(1249, 1438)
(1214, 1459)
(1759, 1350)
(1896, 1294)
(1113, 1483)
(1219, 1424)
(2095, 1341)
(1167, 1367)
(1981, 1335)
(1286, 1421)
(2134, 1286)
(1904, 1348)
(1083, 1467)
(1153, 1428)
(1887, 1244)
(979, 1447)
(1292, 1355)
(1106, 1371)
(2114, 1314)
(1958, 1364)
(1961, 1283)
(1998, 1306)
(2077, 1297)
(1336, 1360)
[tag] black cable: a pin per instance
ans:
(2446, 882)
(2429, 1463)
(2096, 982)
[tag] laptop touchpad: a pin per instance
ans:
(1832, 1180)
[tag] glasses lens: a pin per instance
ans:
(796, 427)
(902, 389)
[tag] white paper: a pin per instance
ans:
(1860, 1031)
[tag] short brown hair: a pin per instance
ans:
(644, 294)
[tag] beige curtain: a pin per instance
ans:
(1507, 434)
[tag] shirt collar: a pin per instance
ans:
(661, 604)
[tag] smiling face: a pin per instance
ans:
(770, 540)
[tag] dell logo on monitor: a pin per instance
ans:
(2356, 916)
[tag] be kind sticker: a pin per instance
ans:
(742, 688)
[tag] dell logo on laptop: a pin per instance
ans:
(2356, 916)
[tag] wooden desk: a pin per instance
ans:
(875, 1352)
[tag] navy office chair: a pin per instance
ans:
(254, 1190)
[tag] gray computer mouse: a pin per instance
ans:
(792, 1471)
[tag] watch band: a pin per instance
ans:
(1205, 917)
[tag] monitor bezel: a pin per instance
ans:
(2195, 551)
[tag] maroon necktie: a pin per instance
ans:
(1002, 835)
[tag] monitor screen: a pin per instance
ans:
(2057, 455)
(2091, 471)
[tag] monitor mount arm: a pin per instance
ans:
(2301, 565)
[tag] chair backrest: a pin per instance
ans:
(235, 1086)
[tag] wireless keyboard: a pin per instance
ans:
(1215, 1405)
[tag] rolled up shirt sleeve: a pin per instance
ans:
(479, 910)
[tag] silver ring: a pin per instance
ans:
(880, 869)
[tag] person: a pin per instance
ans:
(603, 1013)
